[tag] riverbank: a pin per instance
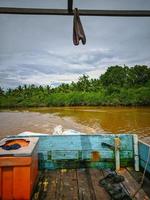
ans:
(117, 86)
(124, 97)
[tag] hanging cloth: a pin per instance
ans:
(78, 32)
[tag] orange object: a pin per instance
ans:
(18, 169)
(22, 142)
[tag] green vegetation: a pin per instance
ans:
(117, 86)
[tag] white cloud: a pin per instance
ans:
(42, 67)
(39, 49)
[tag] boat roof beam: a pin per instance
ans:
(69, 11)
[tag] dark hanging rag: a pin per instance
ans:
(78, 32)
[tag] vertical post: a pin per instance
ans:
(117, 153)
(136, 152)
(70, 5)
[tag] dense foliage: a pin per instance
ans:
(117, 86)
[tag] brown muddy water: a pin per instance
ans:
(85, 119)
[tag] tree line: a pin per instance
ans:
(119, 85)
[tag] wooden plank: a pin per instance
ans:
(138, 176)
(96, 176)
(53, 178)
(68, 185)
(82, 185)
(73, 164)
(144, 155)
(64, 155)
(44, 11)
(46, 187)
(132, 186)
(85, 189)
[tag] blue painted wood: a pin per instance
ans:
(84, 142)
(143, 154)
(71, 165)
(73, 151)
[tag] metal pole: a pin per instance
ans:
(70, 5)
(41, 11)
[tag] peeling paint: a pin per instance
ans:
(95, 156)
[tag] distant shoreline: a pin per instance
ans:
(72, 106)
(118, 86)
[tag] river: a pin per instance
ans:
(84, 119)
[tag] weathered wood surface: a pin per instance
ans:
(138, 177)
(83, 151)
(82, 184)
(96, 175)
(85, 189)
(132, 186)
(144, 151)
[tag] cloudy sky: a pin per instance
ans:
(39, 49)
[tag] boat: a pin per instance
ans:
(75, 166)
(71, 166)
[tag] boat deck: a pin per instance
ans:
(81, 184)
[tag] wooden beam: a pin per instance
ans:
(43, 11)
(70, 5)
